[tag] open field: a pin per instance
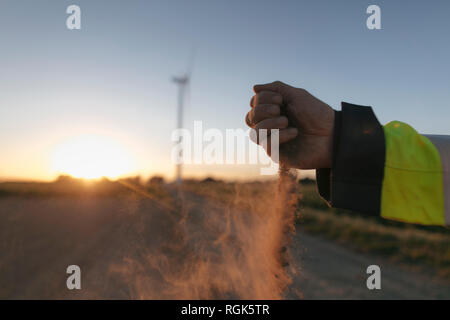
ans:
(211, 241)
(131, 246)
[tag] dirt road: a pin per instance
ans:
(330, 271)
(123, 250)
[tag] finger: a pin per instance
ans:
(247, 119)
(252, 101)
(284, 135)
(266, 97)
(272, 123)
(262, 129)
(262, 112)
(288, 134)
(276, 86)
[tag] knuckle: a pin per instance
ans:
(302, 91)
(263, 112)
(247, 119)
(253, 116)
(258, 127)
(278, 83)
(261, 126)
(268, 98)
(256, 100)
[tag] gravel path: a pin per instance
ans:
(331, 271)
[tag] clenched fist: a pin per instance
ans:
(305, 124)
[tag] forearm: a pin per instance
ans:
(390, 171)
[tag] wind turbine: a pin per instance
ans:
(183, 87)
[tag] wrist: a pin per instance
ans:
(336, 133)
(330, 142)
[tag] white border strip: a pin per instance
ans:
(442, 143)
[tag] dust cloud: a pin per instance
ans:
(207, 249)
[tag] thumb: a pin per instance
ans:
(276, 86)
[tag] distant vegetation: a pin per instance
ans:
(68, 186)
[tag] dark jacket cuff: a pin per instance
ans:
(355, 180)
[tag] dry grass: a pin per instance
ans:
(417, 247)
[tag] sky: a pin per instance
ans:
(112, 78)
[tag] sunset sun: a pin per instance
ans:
(90, 157)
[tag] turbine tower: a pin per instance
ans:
(182, 82)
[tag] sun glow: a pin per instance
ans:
(91, 157)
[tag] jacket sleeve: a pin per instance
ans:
(390, 170)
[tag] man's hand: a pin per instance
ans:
(306, 132)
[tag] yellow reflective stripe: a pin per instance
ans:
(413, 183)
